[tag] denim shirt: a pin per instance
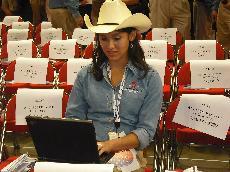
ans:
(71, 5)
(139, 108)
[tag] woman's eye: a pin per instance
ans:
(117, 38)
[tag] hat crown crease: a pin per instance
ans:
(109, 8)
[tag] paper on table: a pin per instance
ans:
(125, 160)
(62, 167)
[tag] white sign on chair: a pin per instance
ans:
(210, 73)
(20, 25)
(31, 70)
(8, 20)
(167, 34)
(38, 102)
(62, 49)
(74, 66)
(159, 66)
(154, 49)
(50, 34)
(200, 50)
(22, 48)
(46, 25)
(17, 34)
(206, 113)
(83, 36)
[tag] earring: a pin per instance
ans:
(131, 45)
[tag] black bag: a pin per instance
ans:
(141, 7)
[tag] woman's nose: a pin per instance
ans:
(111, 44)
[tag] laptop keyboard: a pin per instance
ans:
(105, 157)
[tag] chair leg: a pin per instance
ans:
(16, 144)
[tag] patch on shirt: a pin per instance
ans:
(133, 87)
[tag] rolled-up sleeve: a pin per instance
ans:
(150, 111)
(77, 106)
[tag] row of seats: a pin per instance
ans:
(58, 51)
(179, 133)
(175, 68)
(66, 49)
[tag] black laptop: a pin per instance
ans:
(65, 140)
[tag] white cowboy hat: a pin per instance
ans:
(115, 15)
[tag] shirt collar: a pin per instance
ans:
(130, 66)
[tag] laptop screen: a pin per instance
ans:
(64, 140)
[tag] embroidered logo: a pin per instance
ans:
(133, 87)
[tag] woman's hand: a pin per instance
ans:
(129, 141)
(106, 146)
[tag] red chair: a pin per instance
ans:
(88, 52)
(173, 134)
(46, 50)
(63, 82)
(188, 135)
(43, 25)
(179, 38)
(51, 34)
(166, 76)
(16, 35)
(58, 62)
(22, 25)
(182, 53)
(83, 37)
(184, 80)
(12, 87)
(3, 28)
(11, 114)
(7, 161)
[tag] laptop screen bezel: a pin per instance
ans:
(64, 140)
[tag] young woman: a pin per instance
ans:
(118, 91)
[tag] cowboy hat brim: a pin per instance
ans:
(138, 21)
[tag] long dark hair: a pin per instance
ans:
(135, 53)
